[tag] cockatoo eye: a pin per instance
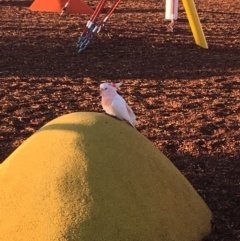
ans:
(105, 88)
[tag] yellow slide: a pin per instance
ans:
(195, 24)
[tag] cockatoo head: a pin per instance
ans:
(108, 89)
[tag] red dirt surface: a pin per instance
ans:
(187, 99)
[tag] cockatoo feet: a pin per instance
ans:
(112, 116)
(120, 119)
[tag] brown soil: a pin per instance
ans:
(187, 99)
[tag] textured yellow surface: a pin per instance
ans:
(89, 177)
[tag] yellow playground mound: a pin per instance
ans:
(89, 177)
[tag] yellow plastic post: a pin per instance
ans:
(195, 24)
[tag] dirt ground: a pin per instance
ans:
(186, 98)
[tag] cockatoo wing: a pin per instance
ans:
(120, 109)
(131, 114)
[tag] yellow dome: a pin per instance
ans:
(88, 177)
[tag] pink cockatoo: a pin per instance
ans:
(114, 104)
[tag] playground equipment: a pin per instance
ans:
(95, 24)
(171, 12)
(61, 6)
(195, 24)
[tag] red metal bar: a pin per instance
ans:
(98, 10)
(110, 12)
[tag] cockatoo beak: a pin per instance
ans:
(101, 90)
